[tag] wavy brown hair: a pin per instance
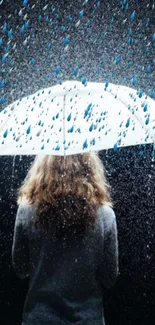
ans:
(67, 194)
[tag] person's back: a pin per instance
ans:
(67, 271)
(65, 240)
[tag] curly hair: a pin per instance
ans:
(66, 194)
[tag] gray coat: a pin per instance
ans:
(66, 273)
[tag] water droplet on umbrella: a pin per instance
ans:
(128, 123)
(115, 146)
(57, 148)
(28, 130)
(5, 134)
(85, 144)
(91, 127)
(87, 110)
(145, 107)
(147, 120)
(71, 129)
(93, 141)
(69, 117)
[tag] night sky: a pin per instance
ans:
(109, 40)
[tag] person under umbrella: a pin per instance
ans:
(65, 240)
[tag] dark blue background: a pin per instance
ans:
(92, 48)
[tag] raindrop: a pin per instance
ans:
(130, 40)
(130, 31)
(132, 17)
(45, 7)
(25, 2)
(58, 70)
(22, 29)
(117, 59)
(32, 61)
(81, 13)
(4, 28)
(25, 42)
(77, 24)
(2, 83)
(66, 40)
(84, 81)
(134, 81)
(75, 71)
(148, 69)
(2, 99)
(152, 95)
(10, 33)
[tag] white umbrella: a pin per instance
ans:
(72, 118)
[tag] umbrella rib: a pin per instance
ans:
(1, 129)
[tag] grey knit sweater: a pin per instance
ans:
(66, 273)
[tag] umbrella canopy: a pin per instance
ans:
(77, 117)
